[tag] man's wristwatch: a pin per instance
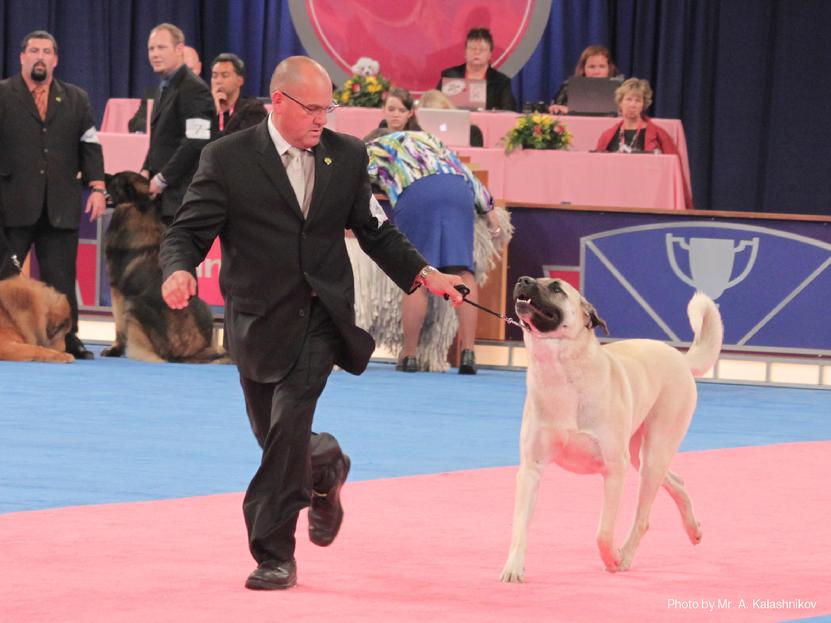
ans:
(98, 190)
(422, 274)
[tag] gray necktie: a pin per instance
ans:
(297, 177)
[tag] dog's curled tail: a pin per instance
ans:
(705, 321)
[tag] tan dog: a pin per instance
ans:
(34, 319)
(592, 409)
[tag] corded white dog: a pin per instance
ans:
(592, 409)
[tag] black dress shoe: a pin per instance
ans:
(273, 575)
(408, 364)
(467, 365)
(326, 511)
(76, 348)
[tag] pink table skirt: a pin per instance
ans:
(123, 152)
(582, 178)
(118, 113)
(530, 176)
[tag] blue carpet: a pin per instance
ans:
(117, 430)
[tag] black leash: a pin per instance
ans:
(464, 290)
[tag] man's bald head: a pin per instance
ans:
(295, 70)
(192, 60)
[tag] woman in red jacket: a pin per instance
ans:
(635, 132)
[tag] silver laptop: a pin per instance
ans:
(592, 96)
(452, 127)
(464, 93)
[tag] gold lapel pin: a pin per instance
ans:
(57, 98)
(327, 160)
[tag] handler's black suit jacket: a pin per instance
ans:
(272, 259)
(499, 95)
(174, 151)
(42, 158)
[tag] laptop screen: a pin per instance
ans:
(592, 96)
(452, 127)
(464, 93)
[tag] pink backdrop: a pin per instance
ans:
(413, 56)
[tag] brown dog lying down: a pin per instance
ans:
(34, 319)
(146, 328)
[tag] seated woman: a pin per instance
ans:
(436, 201)
(594, 62)
(437, 99)
(399, 111)
(635, 132)
(477, 66)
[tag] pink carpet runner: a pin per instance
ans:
(430, 548)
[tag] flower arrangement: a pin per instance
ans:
(367, 91)
(537, 131)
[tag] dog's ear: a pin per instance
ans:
(592, 318)
(139, 187)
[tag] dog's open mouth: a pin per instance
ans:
(527, 306)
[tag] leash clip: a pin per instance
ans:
(464, 290)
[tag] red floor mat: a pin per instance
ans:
(430, 548)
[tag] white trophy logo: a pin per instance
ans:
(711, 262)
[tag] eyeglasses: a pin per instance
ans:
(478, 48)
(312, 110)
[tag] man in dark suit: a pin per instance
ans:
(48, 136)
(180, 125)
(233, 111)
(477, 66)
(138, 122)
(279, 196)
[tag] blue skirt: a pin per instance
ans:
(436, 214)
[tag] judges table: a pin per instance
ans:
(359, 122)
(529, 176)
(582, 178)
(118, 112)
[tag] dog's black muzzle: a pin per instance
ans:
(533, 304)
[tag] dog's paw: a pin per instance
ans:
(116, 350)
(613, 560)
(512, 573)
(695, 534)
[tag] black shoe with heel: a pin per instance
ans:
(467, 364)
(408, 364)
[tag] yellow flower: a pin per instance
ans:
(344, 95)
(371, 79)
(536, 118)
(374, 88)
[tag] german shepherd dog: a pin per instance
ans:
(34, 320)
(146, 328)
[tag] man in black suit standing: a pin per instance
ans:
(48, 136)
(233, 111)
(138, 122)
(279, 196)
(180, 125)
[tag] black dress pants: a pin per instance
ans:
(294, 460)
(57, 252)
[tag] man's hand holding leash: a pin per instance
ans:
(441, 284)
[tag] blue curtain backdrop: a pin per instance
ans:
(750, 80)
